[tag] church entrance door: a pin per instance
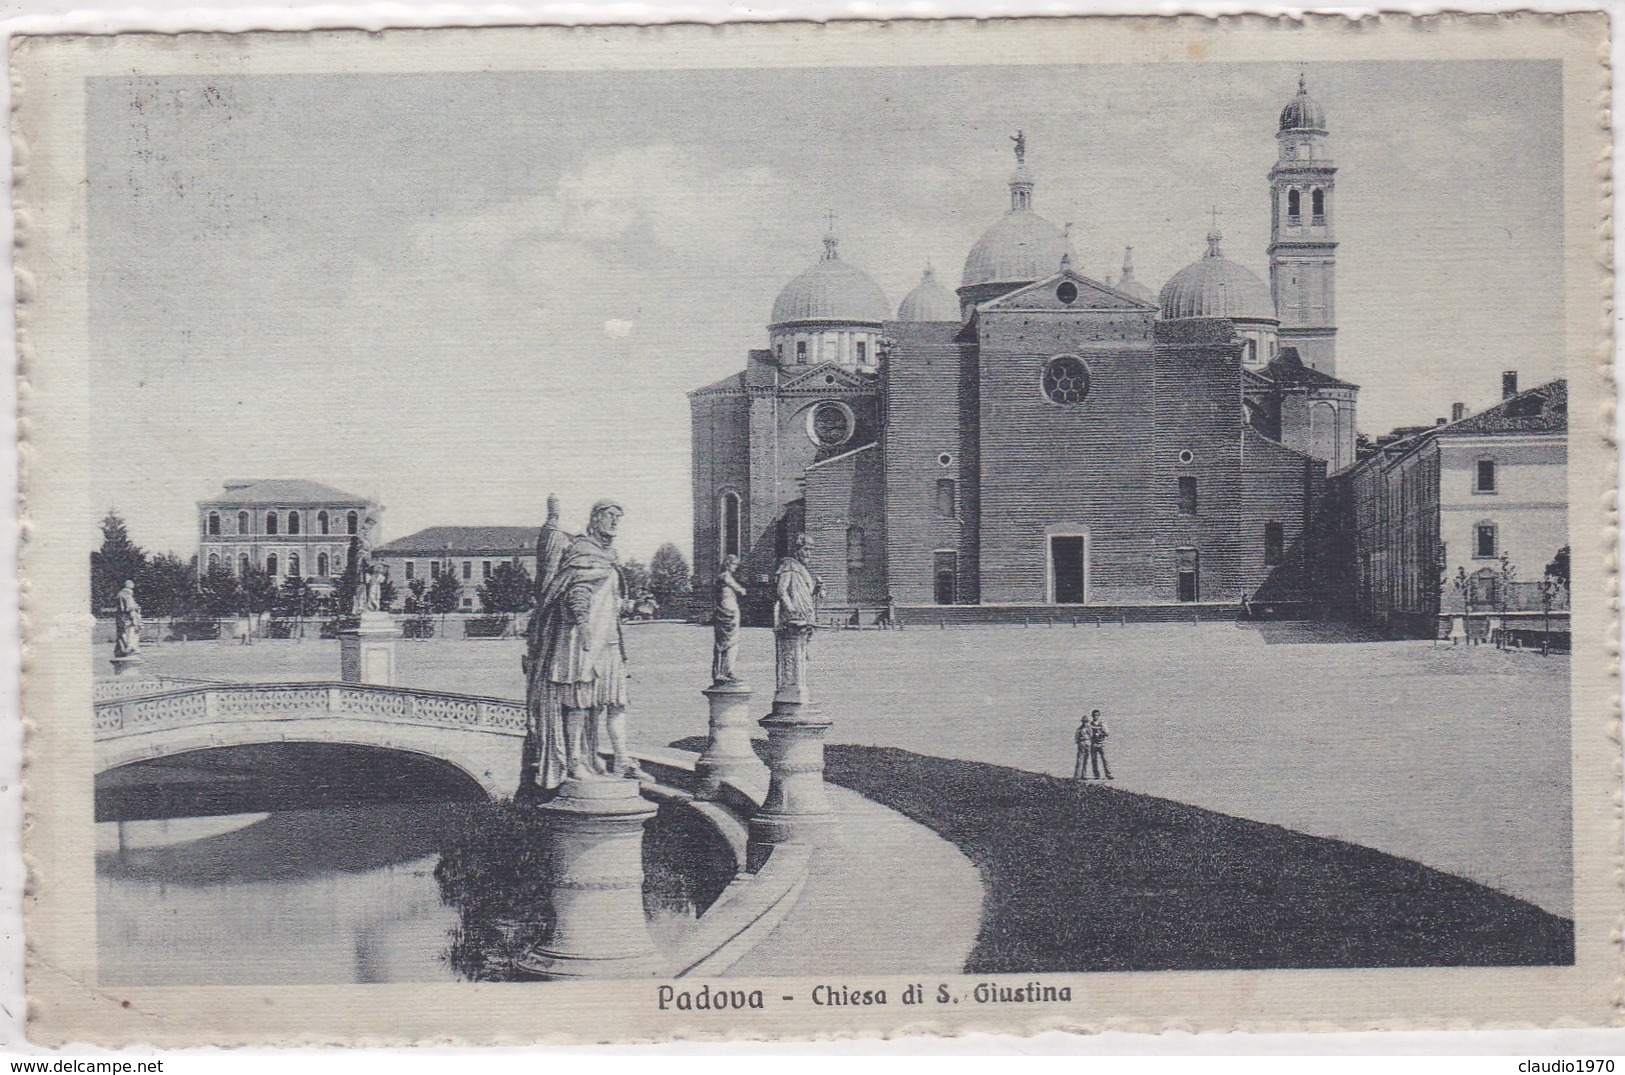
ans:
(1189, 570)
(945, 570)
(1067, 568)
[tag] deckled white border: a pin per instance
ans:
(37, 16)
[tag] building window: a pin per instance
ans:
(485, 569)
(214, 563)
(468, 569)
(854, 547)
(321, 565)
(434, 569)
(321, 522)
(242, 564)
(945, 571)
(214, 524)
(270, 564)
(1294, 208)
(468, 602)
(1066, 380)
(830, 424)
(801, 352)
(411, 570)
(1187, 495)
(1484, 541)
(293, 522)
(863, 353)
(947, 502)
(730, 524)
(270, 522)
(351, 523)
(1189, 566)
(1274, 544)
(1317, 207)
(293, 565)
(242, 522)
(778, 351)
(1484, 480)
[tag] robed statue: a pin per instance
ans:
(577, 669)
(797, 589)
(725, 621)
(551, 543)
(368, 576)
(127, 622)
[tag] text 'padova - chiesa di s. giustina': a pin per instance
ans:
(1040, 437)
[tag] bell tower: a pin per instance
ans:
(1303, 243)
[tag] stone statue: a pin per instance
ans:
(543, 725)
(127, 619)
(725, 621)
(371, 590)
(369, 579)
(577, 675)
(1020, 139)
(797, 589)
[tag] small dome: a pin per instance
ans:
(929, 301)
(831, 291)
(1303, 112)
(1216, 287)
(1019, 248)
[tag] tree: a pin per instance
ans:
(509, 589)
(634, 578)
(416, 603)
(220, 593)
(258, 590)
(1508, 573)
(168, 586)
(117, 561)
(445, 593)
(668, 575)
(293, 597)
(1559, 567)
(387, 592)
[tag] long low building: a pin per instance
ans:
(470, 553)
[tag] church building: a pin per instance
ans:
(1040, 438)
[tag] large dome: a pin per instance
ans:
(1216, 287)
(831, 290)
(1303, 112)
(1019, 248)
(929, 301)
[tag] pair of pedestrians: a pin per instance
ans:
(1091, 738)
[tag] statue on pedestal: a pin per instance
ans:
(369, 576)
(577, 666)
(725, 621)
(795, 616)
(127, 621)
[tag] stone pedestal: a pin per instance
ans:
(367, 650)
(127, 666)
(596, 861)
(796, 809)
(728, 752)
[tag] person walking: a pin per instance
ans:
(1080, 769)
(1097, 744)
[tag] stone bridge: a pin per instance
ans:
(480, 736)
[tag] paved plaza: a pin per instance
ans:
(1457, 758)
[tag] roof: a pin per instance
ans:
(1543, 409)
(283, 491)
(929, 301)
(1303, 112)
(831, 292)
(1287, 368)
(1215, 286)
(1019, 248)
(465, 541)
(734, 382)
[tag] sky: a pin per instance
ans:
(459, 293)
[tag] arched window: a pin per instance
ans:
(270, 522)
(1323, 432)
(242, 564)
(1294, 207)
(1317, 206)
(214, 523)
(214, 563)
(321, 522)
(854, 547)
(293, 522)
(293, 565)
(351, 522)
(321, 564)
(729, 524)
(270, 564)
(242, 522)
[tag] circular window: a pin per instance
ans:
(1187, 456)
(1066, 380)
(830, 424)
(1067, 293)
(945, 460)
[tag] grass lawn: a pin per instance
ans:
(1456, 758)
(1084, 877)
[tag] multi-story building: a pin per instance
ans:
(1042, 438)
(286, 527)
(469, 553)
(1465, 516)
